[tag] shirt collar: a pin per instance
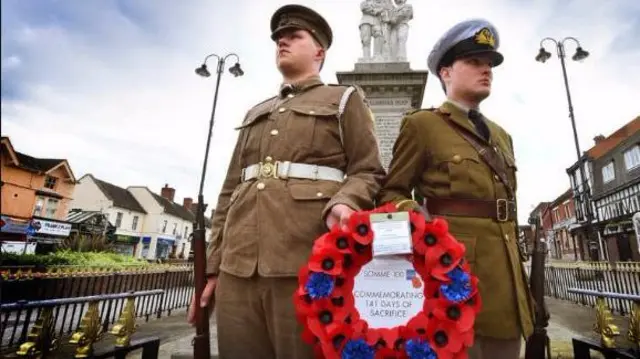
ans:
(300, 86)
(461, 106)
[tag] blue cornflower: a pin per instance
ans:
(357, 349)
(459, 288)
(319, 285)
(419, 349)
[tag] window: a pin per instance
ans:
(134, 224)
(186, 231)
(118, 219)
(608, 173)
(632, 158)
(175, 228)
(50, 182)
(52, 208)
(164, 226)
(39, 206)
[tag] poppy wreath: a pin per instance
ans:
(325, 305)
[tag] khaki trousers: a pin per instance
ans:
(256, 319)
(491, 348)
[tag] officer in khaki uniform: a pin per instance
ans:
(439, 156)
(304, 160)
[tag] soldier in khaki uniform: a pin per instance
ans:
(305, 159)
(439, 156)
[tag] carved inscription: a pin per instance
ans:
(388, 113)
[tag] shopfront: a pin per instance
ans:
(124, 244)
(47, 233)
(164, 247)
(615, 223)
(13, 229)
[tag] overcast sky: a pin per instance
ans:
(110, 85)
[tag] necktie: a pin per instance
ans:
(286, 90)
(478, 121)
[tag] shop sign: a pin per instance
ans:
(10, 225)
(42, 226)
(122, 238)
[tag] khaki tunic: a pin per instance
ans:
(430, 157)
(270, 224)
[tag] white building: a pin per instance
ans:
(168, 224)
(120, 207)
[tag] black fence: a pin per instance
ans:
(172, 286)
(616, 277)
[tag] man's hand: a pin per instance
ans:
(205, 299)
(339, 214)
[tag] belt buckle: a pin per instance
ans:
(501, 202)
(268, 170)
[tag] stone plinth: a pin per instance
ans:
(391, 89)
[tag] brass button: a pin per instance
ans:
(274, 132)
(290, 95)
(312, 112)
(282, 109)
(268, 158)
(506, 237)
(319, 194)
(260, 186)
(457, 158)
(496, 177)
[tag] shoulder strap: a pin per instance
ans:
(488, 155)
(343, 103)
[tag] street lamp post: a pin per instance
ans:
(201, 342)
(580, 54)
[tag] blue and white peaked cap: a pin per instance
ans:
(470, 37)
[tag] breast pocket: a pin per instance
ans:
(313, 127)
(468, 175)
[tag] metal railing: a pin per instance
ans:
(46, 335)
(618, 277)
(74, 288)
(610, 343)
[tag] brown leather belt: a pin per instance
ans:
(501, 210)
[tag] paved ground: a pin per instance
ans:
(568, 320)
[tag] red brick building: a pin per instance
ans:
(563, 216)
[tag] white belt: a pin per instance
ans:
(286, 169)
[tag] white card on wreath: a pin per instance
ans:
(391, 233)
(388, 292)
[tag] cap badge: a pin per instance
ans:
(284, 20)
(485, 37)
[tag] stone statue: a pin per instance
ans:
(384, 24)
(400, 31)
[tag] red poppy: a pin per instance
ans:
(417, 326)
(338, 239)
(460, 315)
(326, 319)
(362, 255)
(389, 207)
(360, 327)
(360, 227)
(475, 302)
(307, 335)
(433, 232)
(318, 352)
(419, 264)
(444, 339)
(418, 226)
(335, 339)
(326, 259)
(443, 257)
(302, 302)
